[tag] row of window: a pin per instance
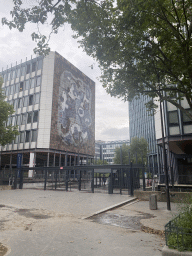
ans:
(26, 136)
(174, 120)
(25, 101)
(26, 118)
(22, 86)
(22, 69)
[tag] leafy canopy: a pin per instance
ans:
(135, 152)
(7, 133)
(141, 46)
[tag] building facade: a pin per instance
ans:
(142, 124)
(54, 106)
(178, 141)
(105, 151)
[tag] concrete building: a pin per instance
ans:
(106, 150)
(54, 106)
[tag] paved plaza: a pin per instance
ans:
(55, 223)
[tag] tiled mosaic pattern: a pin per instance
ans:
(73, 110)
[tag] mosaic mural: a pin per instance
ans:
(74, 111)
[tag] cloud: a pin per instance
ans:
(115, 134)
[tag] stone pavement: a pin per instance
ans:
(53, 223)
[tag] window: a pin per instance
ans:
(25, 101)
(30, 100)
(173, 118)
(14, 121)
(32, 82)
(22, 137)
(27, 85)
(20, 103)
(23, 119)
(7, 91)
(23, 70)
(35, 116)
(21, 86)
(18, 119)
(37, 97)
(38, 83)
(16, 139)
(28, 69)
(186, 119)
(15, 104)
(11, 89)
(8, 76)
(17, 88)
(33, 66)
(13, 74)
(40, 64)
(27, 137)
(18, 72)
(29, 117)
(34, 136)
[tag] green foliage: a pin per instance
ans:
(181, 235)
(100, 162)
(7, 133)
(138, 147)
(141, 46)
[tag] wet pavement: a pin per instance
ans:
(128, 222)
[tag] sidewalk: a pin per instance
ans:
(54, 223)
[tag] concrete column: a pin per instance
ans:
(54, 160)
(48, 159)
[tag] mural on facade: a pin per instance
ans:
(74, 110)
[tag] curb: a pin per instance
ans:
(171, 252)
(111, 208)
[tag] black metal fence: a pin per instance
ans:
(106, 178)
(176, 236)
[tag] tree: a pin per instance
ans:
(138, 148)
(100, 162)
(7, 133)
(141, 46)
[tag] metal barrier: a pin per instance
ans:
(93, 178)
(176, 236)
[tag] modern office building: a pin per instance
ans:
(54, 106)
(178, 141)
(177, 135)
(106, 150)
(142, 124)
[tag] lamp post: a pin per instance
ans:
(164, 158)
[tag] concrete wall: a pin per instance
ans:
(175, 197)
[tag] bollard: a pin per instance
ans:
(153, 202)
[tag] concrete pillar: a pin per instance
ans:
(48, 159)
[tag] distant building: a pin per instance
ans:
(54, 106)
(106, 150)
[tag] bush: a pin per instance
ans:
(179, 230)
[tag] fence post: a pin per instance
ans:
(92, 182)
(110, 186)
(45, 181)
(55, 179)
(21, 179)
(143, 173)
(66, 180)
(15, 180)
(131, 179)
(79, 180)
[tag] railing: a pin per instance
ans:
(178, 237)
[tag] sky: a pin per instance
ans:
(111, 114)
